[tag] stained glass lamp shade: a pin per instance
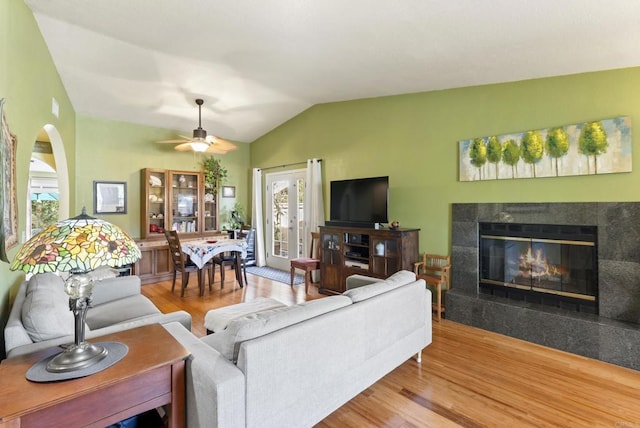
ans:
(77, 245)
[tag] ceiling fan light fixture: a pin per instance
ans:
(199, 146)
(201, 142)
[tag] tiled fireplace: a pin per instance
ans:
(564, 275)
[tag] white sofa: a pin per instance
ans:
(40, 317)
(293, 366)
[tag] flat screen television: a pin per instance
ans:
(360, 202)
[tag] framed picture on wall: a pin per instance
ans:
(8, 197)
(228, 191)
(109, 197)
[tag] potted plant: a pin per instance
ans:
(237, 217)
(234, 218)
(214, 174)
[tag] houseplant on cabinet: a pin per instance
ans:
(214, 175)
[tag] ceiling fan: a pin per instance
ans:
(201, 142)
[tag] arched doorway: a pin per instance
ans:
(48, 190)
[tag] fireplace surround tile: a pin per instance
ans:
(609, 336)
(620, 233)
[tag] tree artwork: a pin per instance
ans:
(593, 142)
(494, 152)
(478, 154)
(557, 145)
(532, 148)
(588, 148)
(511, 155)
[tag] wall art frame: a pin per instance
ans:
(109, 197)
(228, 191)
(8, 192)
(587, 148)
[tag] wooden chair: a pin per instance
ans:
(435, 270)
(182, 263)
(308, 264)
(229, 259)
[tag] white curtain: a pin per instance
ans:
(257, 217)
(313, 203)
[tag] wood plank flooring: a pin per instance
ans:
(468, 377)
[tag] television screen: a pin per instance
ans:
(361, 200)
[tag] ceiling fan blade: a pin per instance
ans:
(223, 144)
(172, 141)
(215, 151)
(184, 147)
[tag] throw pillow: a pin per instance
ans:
(45, 311)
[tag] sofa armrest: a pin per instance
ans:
(181, 317)
(215, 386)
(14, 332)
(355, 281)
(109, 289)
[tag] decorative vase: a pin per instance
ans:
(380, 248)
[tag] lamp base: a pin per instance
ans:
(77, 357)
(39, 373)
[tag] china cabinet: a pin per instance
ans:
(174, 200)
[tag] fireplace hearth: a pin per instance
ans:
(577, 292)
(551, 265)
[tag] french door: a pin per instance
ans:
(285, 220)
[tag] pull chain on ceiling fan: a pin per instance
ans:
(201, 142)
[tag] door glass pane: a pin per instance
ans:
(280, 232)
(300, 215)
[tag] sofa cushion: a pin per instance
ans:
(45, 311)
(109, 289)
(398, 279)
(120, 310)
(228, 341)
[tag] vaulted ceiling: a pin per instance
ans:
(259, 63)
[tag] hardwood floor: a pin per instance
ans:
(468, 377)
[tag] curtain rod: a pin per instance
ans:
(286, 165)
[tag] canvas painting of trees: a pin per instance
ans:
(598, 147)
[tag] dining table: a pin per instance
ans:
(201, 251)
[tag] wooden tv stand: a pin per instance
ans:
(373, 252)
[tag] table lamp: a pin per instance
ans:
(77, 245)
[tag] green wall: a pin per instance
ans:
(28, 80)
(414, 139)
(118, 151)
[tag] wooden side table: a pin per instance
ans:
(149, 376)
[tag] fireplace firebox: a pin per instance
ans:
(552, 265)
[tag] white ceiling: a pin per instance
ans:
(259, 63)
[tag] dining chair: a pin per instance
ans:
(308, 264)
(229, 259)
(435, 270)
(182, 263)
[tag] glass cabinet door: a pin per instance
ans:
(184, 203)
(155, 194)
(330, 249)
(210, 214)
(385, 256)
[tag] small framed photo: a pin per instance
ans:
(228, 191)
(109, 197)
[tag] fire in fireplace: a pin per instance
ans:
(553, 265)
